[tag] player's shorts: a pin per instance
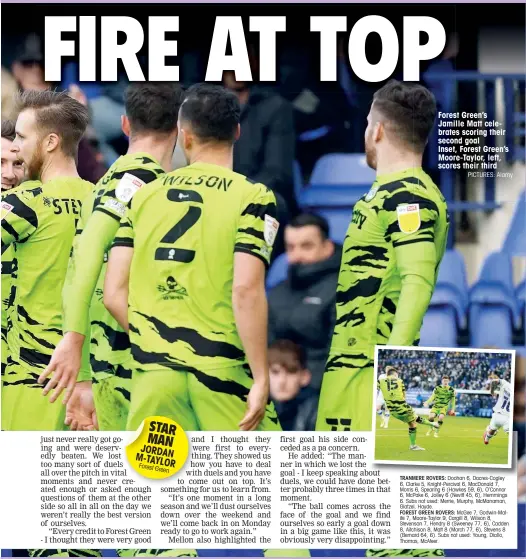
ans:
(500, 421)
(439, 411)
(403, 412)
(23, 406)
(111, 394)
(346, 399)
(197, 401)
(405, 553)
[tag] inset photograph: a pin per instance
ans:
(448, 407)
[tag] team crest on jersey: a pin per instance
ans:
(172, 289)
(271, 229)
(408, 217)
(6, 208)
(371, 194)
(127, 187)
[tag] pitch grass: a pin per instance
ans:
(459, 441)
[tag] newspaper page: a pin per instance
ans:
(263, 280)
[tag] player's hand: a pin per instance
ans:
(257, 401)
(80, 409)
(451, 412)
(64, 367)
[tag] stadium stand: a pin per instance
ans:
(493, 311)
(515, 242)
(338, 179)
(277, 272)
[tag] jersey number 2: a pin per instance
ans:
(190, 218)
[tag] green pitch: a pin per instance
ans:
(459, 440)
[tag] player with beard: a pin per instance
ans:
(40, 224)
(391, 255)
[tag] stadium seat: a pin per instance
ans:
(327, 196)
(338, 179)
(520, 294)
(339, 220)
(514, 243)
(494, 289)
(439, 328)
(491, 325)
(342, 169)
(452, 288)
(493, 311)
(278, 271)
(298, 179)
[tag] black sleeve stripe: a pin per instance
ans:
(9, 229)
(247, 246)
(125, 224)
(412, 241)
(145, 175)
(99, 209)
(22, 210)
(241, 248)
(259, 210)
(407, 197)
(122, 242)
(391, 186)
(253, 232)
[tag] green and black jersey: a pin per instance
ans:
(184, 229)
(40, 224)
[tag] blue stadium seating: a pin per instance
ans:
(328, 196)
(277, 272)
(343, 169)
(439, 328)
(515, 243)
(452, 287)
(520, 293)
(338, 179)
(298, 179)
(493, 311)
(339, 220)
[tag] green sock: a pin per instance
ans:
(412, 435)
(426, 422)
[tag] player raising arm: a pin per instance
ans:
(442, 397)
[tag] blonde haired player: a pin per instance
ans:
(501, 411)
